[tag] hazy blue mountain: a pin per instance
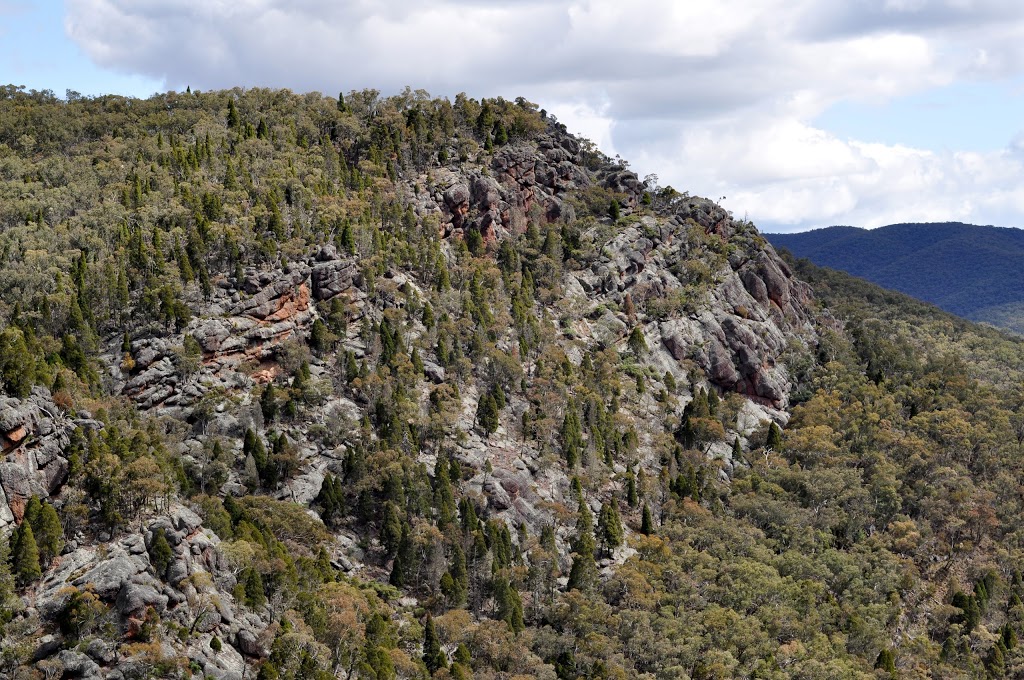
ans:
(973, 271)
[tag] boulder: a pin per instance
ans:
(248, 643)
(134, 598)
(78, 665)
(333, 277)
(47, 646)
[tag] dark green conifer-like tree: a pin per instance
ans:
(646, 522)
(774, 440)
(509, 605)
(233, 119)
(268, 403)
(487, 414)
(433, 657)
(886, 661)
(459, 575)
(25, 558)
(637, 342)
(609, 527)
(571, 434)
(583, 573)
(160, 553)
(50, 534)
(392, 528)
(255, 595)
(444, 498)
(401, 568)
(632, 497)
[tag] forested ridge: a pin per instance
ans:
(303, 386)
(966, 269)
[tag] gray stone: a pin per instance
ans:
(226, 664)
(100, 652)
(486, 192)
(177, 571)
(134, 544)
(608, 329)
(110, 575)
(47, 646)
(434, 372)
(457, 196)
(19, 481)
(78, 665)
(185, 520)
(134, 598)
(211, 333)
(333, 278)
(15, 413)
(326, 253)
(248, 643)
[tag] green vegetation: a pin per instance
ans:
(874, 535)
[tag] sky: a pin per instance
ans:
(795, 114)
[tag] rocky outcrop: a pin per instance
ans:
(124, 579)
(523, 180)
(237, 327)
(331, 275)
(34, 433)
(732, 315)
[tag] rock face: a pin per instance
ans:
(523, 180)
(732, 317)
(238, 327)
(123, 577)
(34, 434)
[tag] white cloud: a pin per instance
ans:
(715, 96)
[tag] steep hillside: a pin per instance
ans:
(969, 270)
(304, 387)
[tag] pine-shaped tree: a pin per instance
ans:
(233, 119)
(572, 436)
(402, 566)
(444, 499)
(268, 403)
(886, 661)
(609, 527)
(33, 513)
(487, 414)
(583, 573)
(509, 604)
(255, 596)
(160, 553)
(459, 575)
(433, 657)
(26, 556)
(637, 342)
(50, 533)
(6, 581)
(646, 522)
(461, 668)
(774, 440)
(391, 528)
(632, 498)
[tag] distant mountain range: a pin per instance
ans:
(969, 270)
